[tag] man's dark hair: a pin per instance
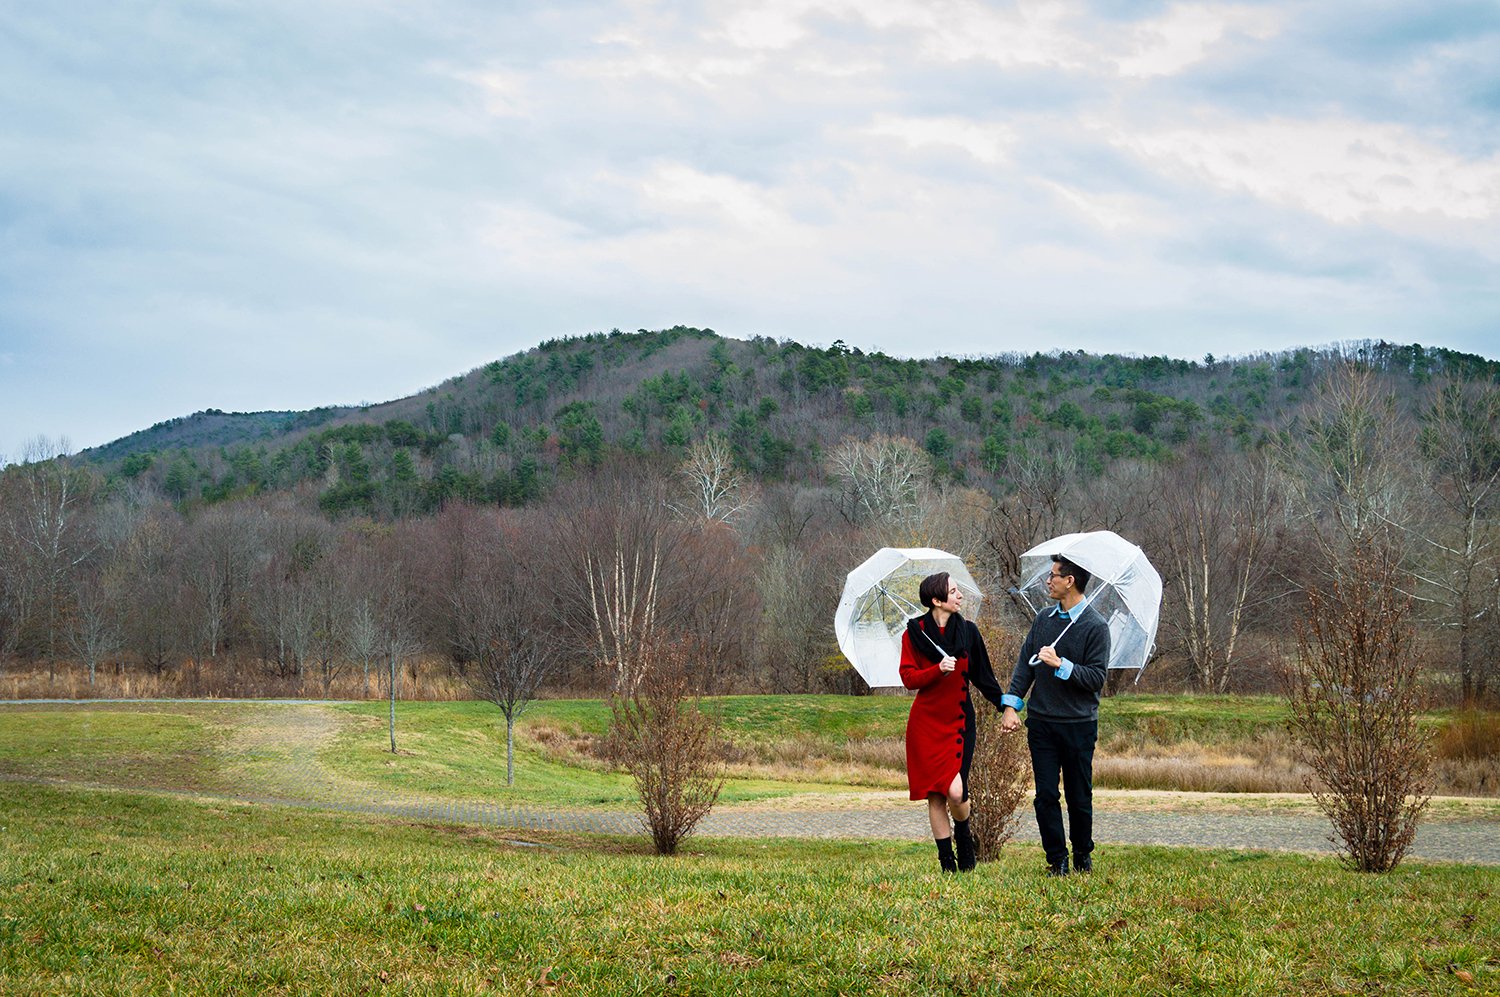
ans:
(1066, 567)
(934, 589)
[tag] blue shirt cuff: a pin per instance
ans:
(1014, 702)
(1065, 669)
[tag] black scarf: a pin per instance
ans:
(954, 640)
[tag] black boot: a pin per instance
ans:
(964, 841)
(945, 854)
(1058, 868)
(1083, 863)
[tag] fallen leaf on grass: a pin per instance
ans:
(1465, 976)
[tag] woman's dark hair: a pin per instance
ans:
(934, 589)
(1066, 567)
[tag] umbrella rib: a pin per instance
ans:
(905, 603)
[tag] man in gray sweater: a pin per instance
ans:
(1062, 665)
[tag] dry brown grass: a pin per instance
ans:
(1264, 764)
(1472, 736)
(1197, 774)
(226, 678)
(871, 762)
(1466, 776)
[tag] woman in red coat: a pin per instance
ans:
(942, 654)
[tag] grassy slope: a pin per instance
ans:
(108, 892)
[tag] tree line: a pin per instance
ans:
(658, 510)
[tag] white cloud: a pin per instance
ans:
(1112, 212)
(987, 143)
(507, 93)
(1342, 170)
(1185, 35)
(1050, 33)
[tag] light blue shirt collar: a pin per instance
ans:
(1078, 607)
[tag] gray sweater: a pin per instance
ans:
(1075, 698)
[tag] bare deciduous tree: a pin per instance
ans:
(1040, 505)
(220, 550)
(1459, 548)
(1354, 699)
(1217, 520)
(621, 570)
(44, 518)
(494, 635)
(1348, 456)
(94, 628)
(151, 599)
(718, 487)
(361, 635)
(883, 480)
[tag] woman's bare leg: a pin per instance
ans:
(956, 802)
(937, 814)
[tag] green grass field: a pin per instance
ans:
(118, 893)
(780, 747)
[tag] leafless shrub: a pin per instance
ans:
(668, 744)
(998, 783)
(1354, 699)
(1000, 775)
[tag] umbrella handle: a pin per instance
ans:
(1035, 659)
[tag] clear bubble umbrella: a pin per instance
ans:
(1125, 590)
(880, 596)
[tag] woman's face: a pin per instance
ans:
(954, 600)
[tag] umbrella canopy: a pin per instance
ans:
(1125, 590)
(880, 596)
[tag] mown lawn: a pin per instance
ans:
(780, 745)
(113, 892)
(457, 750)
(176, 745)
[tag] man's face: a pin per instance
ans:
(1058, 584)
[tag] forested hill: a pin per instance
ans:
(506, 432)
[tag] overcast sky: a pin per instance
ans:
(279, 204)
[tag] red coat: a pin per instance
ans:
(940, 729)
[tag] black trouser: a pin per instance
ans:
(1066, 749)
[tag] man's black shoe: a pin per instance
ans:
(1083, 863)
(1058, 868)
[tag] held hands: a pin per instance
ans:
(947, 664)
(1010, 720)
